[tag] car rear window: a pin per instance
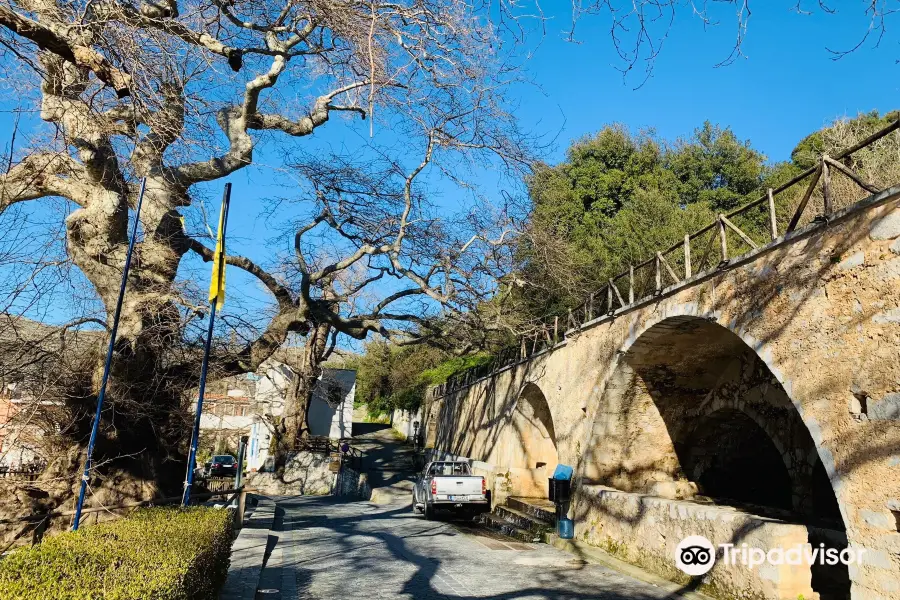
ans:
(225, 460)
(450, 469)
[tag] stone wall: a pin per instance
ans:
(818, 314)
(653, 527)
(306, 474)
(402, 422)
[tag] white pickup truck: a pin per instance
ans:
(450, 486)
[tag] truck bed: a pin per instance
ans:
(458, 488)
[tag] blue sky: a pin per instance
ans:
(786, 87)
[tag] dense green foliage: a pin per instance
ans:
(390, 377)
(153, 554)
(452, 366)
(619, 197)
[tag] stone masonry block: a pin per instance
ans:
(886, 409)
(889, 316)
(877, 519)
(887, 227)
(851, 262)
(877, 558)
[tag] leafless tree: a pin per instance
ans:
(373, 255)
(184, 93)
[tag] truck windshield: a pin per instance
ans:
(449, 469)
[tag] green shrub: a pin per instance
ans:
(153, 554)
(457, 364)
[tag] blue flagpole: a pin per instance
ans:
(195, 435)
(109, 354)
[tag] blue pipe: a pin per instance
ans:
(195, 435)
(109, 353)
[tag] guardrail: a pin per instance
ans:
(327, 446)
(29, 475)
(681, 261)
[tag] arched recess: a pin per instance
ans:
(532, 430)
(528, 448)
(690, 410)
(731, 458)
(671, 378)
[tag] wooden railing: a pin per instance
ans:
(327, 446)
(26, 475)
(712, 247)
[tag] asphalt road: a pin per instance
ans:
(329, 548)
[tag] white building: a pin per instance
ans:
(330, 412)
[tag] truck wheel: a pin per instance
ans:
(429, 512)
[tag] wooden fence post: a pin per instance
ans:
(723, 239)
(590, 307)
(826, 186)
(555, 330)
(630, 284)
(773, 222)
(609, 307)
(687, 256)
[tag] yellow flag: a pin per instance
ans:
(217, 284)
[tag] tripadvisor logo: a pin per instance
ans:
(696, 555)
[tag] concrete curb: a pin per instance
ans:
(596, 555)
(248, 552)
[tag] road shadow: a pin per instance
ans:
(388, 553)
(359, 429)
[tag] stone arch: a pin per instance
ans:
(528, 448)
(690, 409)
(643, 330)
(531, 422)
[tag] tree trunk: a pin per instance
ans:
(294, 423)
(143, 434)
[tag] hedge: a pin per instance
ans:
(153, 554)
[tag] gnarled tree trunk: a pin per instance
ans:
(294, 422)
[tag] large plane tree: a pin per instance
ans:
(183, 93)
(186, 93)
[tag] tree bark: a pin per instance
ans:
(294, 424)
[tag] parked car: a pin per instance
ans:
(222, 465)
(450, 486)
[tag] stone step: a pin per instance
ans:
(523, 520)
(500, 525)
(540, 509)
